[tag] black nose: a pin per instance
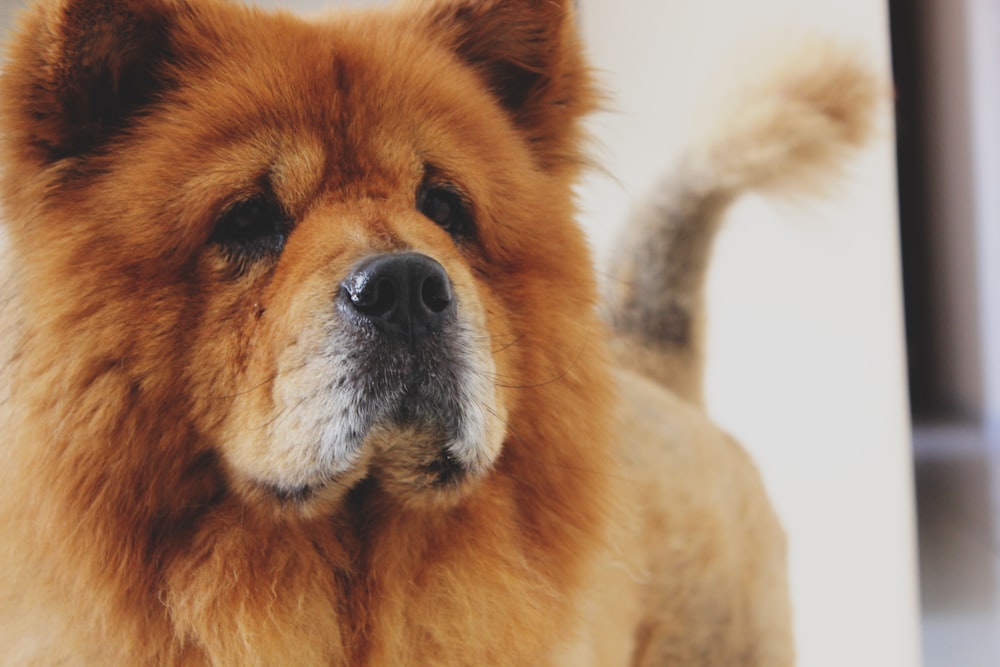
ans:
(405, 294)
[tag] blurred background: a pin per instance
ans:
(858, 410)
(947, 61)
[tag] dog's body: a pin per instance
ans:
(301, 359)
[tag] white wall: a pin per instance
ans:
(806, 361)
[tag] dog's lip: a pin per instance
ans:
(296, 493)
(446, 470)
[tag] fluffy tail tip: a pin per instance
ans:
(788, 130)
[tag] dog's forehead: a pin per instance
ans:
(361, 84)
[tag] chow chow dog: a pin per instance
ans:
(302, 358)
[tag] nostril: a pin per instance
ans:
(436, 293)
(376, 298)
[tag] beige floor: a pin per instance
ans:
(958, 499)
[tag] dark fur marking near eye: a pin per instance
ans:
(444, 204)
(252, 230)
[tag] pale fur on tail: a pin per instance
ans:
(785, 133)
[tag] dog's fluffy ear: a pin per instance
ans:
(529, 55)
(80, 69)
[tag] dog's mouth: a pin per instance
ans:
(421, 444)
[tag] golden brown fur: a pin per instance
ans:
(162, 502)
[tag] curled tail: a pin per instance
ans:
(785, 134)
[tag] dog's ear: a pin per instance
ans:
(79, 70)
(529, 55)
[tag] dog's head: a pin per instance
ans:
(322, 250)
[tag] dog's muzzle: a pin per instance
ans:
(414, 367)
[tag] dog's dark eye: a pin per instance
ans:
(252, 229)
(447, 209)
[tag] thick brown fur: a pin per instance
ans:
(150, 515)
